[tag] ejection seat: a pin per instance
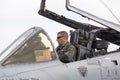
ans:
(87, 45)
(80, 45)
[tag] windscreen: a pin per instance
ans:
(15, 43)
(38, 48)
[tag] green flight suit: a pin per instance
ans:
(66, 53)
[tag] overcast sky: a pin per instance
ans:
(17, 16)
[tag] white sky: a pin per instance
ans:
(16, 16)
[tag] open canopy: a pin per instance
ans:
(111, 33)
(105, 9)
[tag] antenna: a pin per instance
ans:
(110, 11)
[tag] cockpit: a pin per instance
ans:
(91, 39)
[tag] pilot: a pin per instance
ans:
(65, 50)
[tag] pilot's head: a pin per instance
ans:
(62, 38)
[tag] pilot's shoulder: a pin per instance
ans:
(72, 47)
